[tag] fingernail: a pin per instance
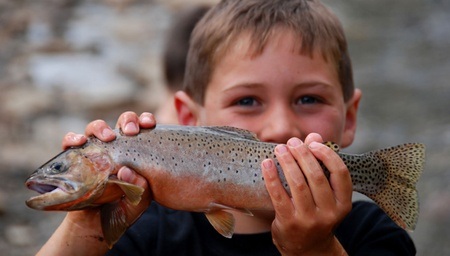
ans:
(126, 174)
(314, 145)
(267, 163)
(294, 142)
(107, 133)
(281, 149)
(268, 173)
(131, 127)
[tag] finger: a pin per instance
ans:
(313, 137)
(73, 140)
(280, 198)
(318, 183)
(101, 130)
(301, 193)
(130, 176)
(128, 122)
(340, 179)
(147, 120)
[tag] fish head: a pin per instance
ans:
(72, 180)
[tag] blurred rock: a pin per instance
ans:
(82, 80)
(64, 63)
(3, 204)
(20, 235)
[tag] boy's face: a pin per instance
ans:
(278, 94)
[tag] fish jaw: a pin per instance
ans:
(72, 180)
(53, 194)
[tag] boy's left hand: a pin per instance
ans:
(305, 221)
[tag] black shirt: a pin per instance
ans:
(366, 230)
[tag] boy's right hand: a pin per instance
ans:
(80, 233)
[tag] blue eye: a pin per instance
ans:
(248, 101)
(307, 100)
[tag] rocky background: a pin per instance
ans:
(64, 63)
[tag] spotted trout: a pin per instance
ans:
(213, 170)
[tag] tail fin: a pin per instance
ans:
(392, 184)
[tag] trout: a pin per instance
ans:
(213, 170)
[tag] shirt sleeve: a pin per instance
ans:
(367, 230)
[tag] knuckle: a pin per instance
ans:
(300, 186)
(130, 115)
(97, 124)
(126, 117)
(276, 196)
(318, 177)
(95, 127)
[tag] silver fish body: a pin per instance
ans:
(213, 170)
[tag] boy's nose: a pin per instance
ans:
(279, 127)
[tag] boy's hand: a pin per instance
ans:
(81, 231)
(304, 223)
(128, 122)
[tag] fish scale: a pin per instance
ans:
(208, 169)
(244, 156)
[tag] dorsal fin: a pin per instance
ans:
(242, 133)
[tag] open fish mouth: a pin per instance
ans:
(49, 196)
(45, 190)
(41, 188)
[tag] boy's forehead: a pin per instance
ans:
(244, 43)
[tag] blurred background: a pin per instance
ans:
(64, 63)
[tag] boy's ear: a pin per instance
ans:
(351, 118)
(187, 109)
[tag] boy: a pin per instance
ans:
(281, 70)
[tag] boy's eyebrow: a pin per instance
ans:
(305, 84)
(246, 85)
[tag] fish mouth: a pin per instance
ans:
(49, 195)
(49, 185)
(41, 188)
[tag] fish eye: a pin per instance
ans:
(57, 167)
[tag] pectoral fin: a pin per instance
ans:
(132, 192)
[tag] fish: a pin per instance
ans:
(210, 169)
